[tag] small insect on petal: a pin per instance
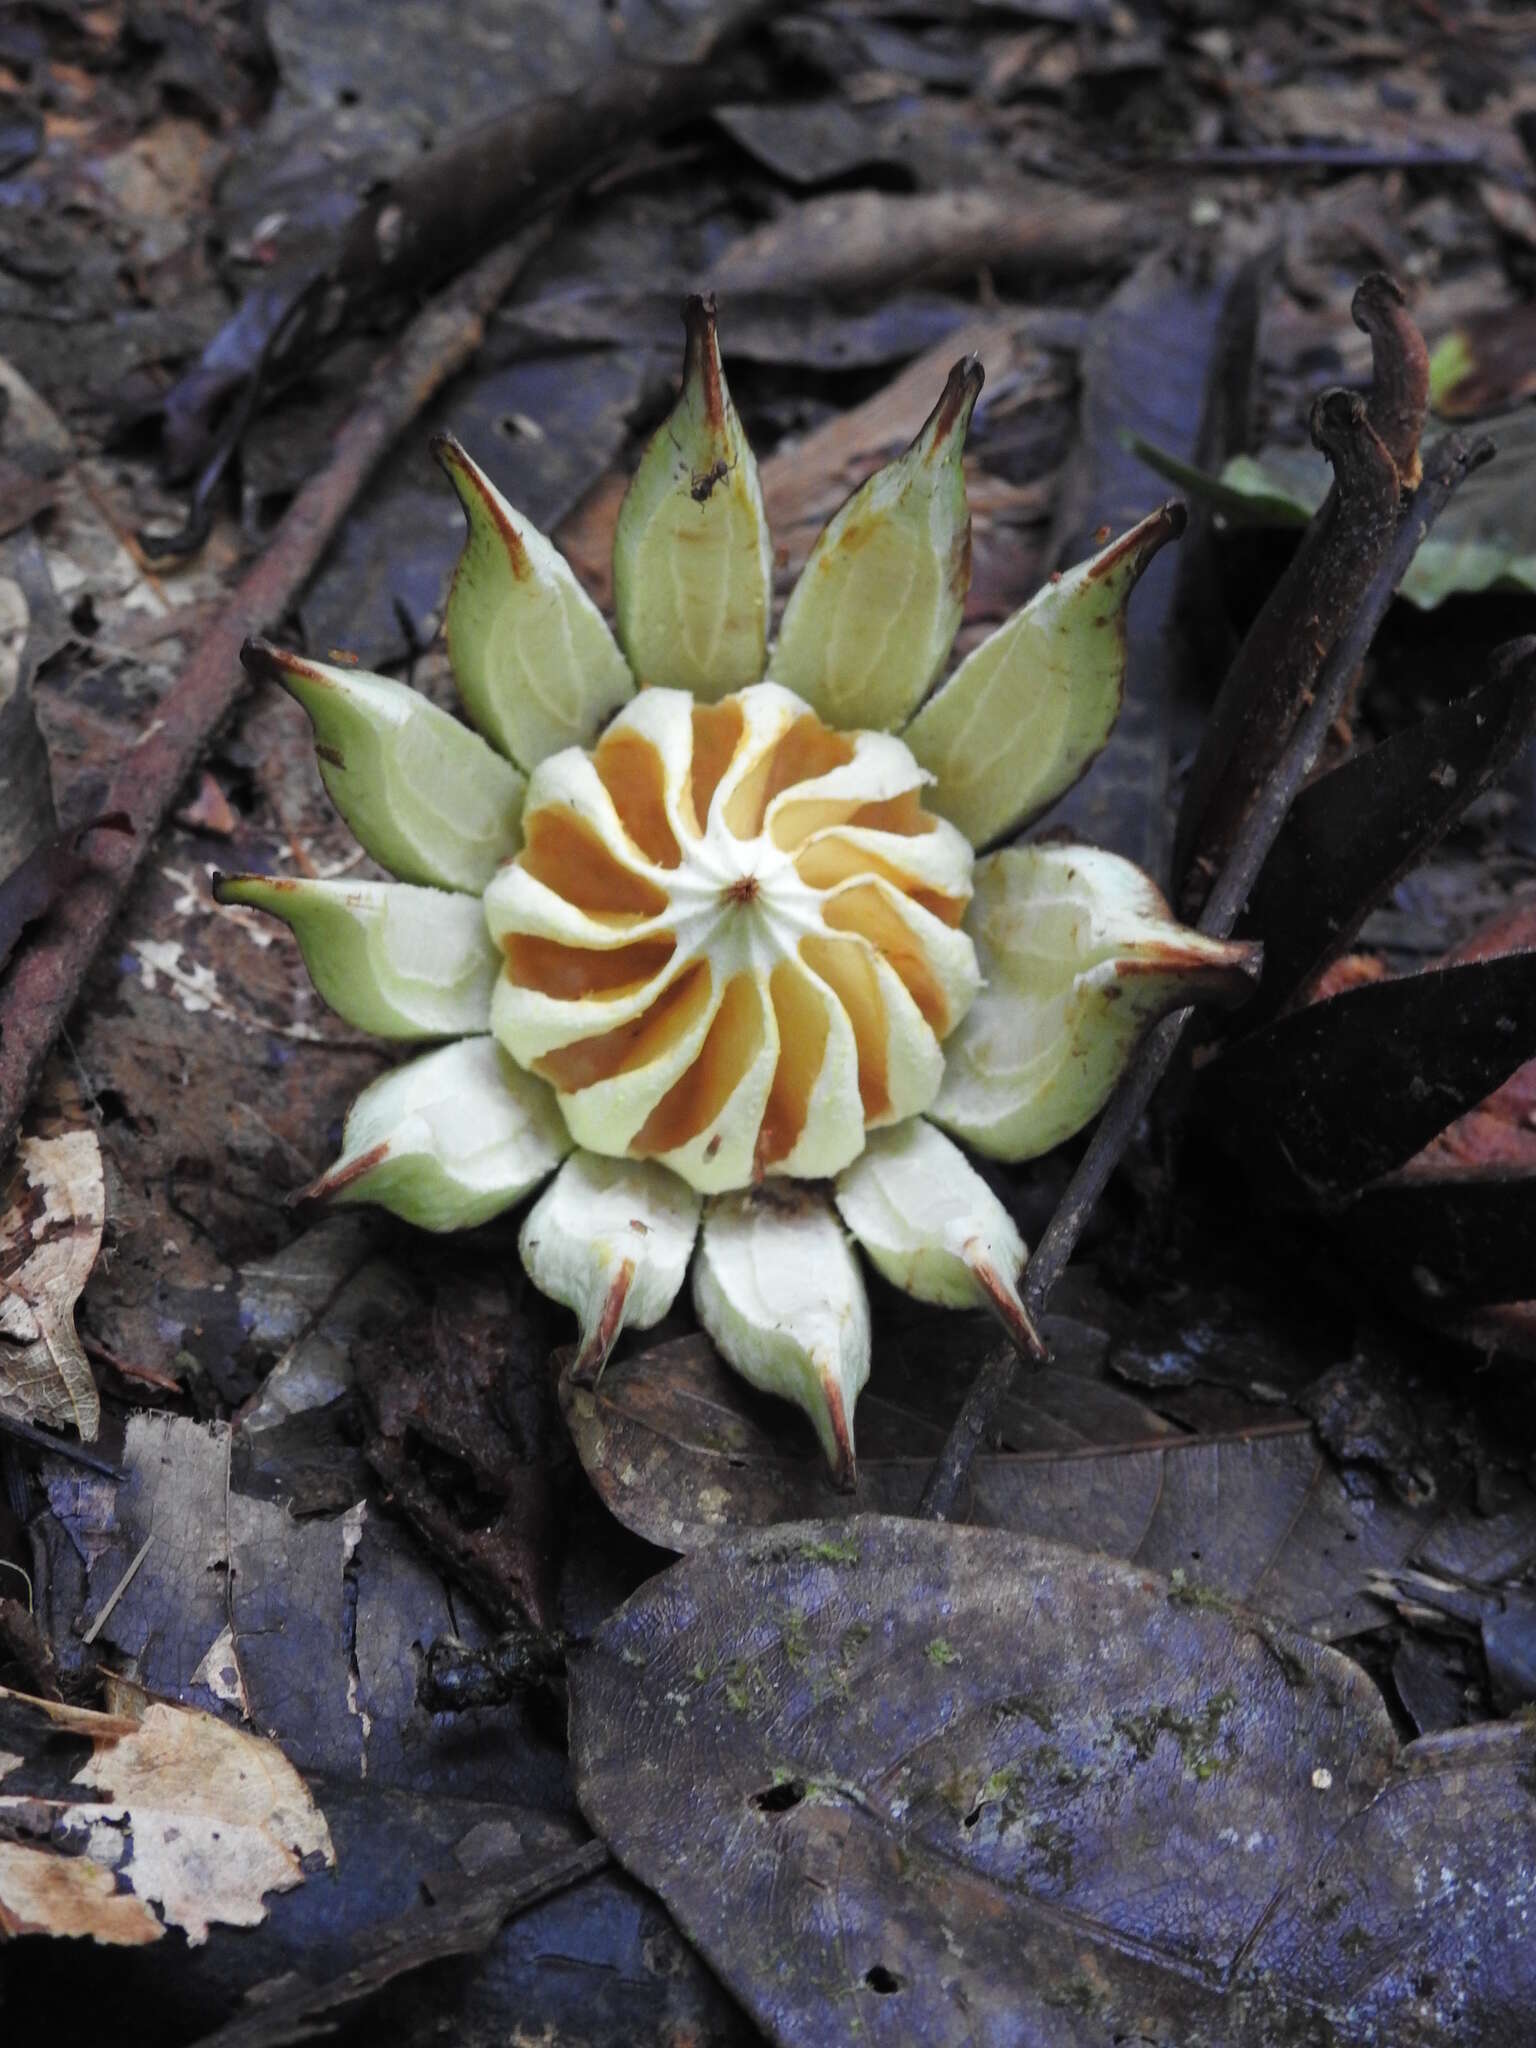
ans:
(398, 961)
(875, 612)
(932, 1226)
(692, 560)
(610, 1238)
(1079, 955)
(448, 1140)
(423, 794)
(1027, 711)
(780, 1294)
(532, 655)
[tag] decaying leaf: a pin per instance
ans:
(909, 1782)
(685, 1457)
(54, 1204)
(178, 1810)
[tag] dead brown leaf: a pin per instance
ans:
(179, 1810)
(51, 1214)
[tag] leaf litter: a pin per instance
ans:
(210, 1287)
(944, 1784)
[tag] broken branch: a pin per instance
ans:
(1373, 446)
(51, 966)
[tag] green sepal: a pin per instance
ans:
(532, 655)
(872, 619)
(396, 960)
(426, 797)
(448, 1140)
(1079, 955)
(692, 561)
(1027, 711)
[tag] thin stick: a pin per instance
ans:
(119, 1589)
(1448, 462)
(48, 972)
(58, 1446)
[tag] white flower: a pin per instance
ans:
(721, 943)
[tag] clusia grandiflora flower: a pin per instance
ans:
(701, 918)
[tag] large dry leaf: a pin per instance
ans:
(683, 1455)
(178, 1810)
(907, 1782)
(51, 1213)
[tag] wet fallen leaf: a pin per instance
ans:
(1485, 541)
(940, 1784)
(1486, 363)
(192, 1815)
(51, 1213)
(1337, 1093)
(310, 1626)
(1355, 831)
(1153, 359)
(685, 1457)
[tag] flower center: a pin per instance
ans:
(732, 937)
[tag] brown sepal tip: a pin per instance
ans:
(957, 401)
(338, 1178)
(586, 1368)
(844, 1470)
(701, 356)
(1010, 1312)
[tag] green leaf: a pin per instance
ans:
(1485, 539)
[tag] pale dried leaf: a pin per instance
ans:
(197, 1817)
(51, 1215)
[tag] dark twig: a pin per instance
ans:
(422, 228)
(1449, 461)
(1319, 156)
(50, 967)
(459, 1915)
(1375, 465)
(60, 1446)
